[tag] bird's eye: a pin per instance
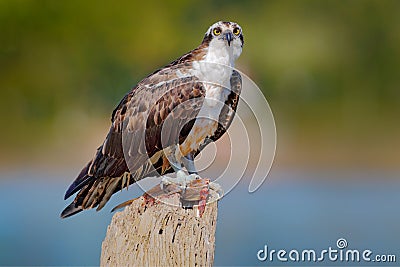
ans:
(217, 31)
(236, 31)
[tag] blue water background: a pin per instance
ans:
(292, 210)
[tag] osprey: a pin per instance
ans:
(165, 120)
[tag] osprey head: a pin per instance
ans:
(225, 35)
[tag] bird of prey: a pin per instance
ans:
(165, 120)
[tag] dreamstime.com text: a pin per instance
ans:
(340, 253)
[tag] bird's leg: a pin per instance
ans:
(172, 155)
(182, 179)
(188, 162)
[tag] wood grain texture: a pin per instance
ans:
(157, 234)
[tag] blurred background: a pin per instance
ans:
(329, 70)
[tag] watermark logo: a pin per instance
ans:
(340, 253)
(341, 243)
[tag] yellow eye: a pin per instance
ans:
(217, 31)
(236, 31)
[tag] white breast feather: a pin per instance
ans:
(214, 71)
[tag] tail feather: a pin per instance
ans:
(70, 210)
(82, 179)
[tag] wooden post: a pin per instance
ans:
(149, 233)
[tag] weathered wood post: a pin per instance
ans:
(153, 233)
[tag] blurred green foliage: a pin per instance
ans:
(330, 66)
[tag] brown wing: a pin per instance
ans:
(133, 144)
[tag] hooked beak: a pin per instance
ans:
(229, 37)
